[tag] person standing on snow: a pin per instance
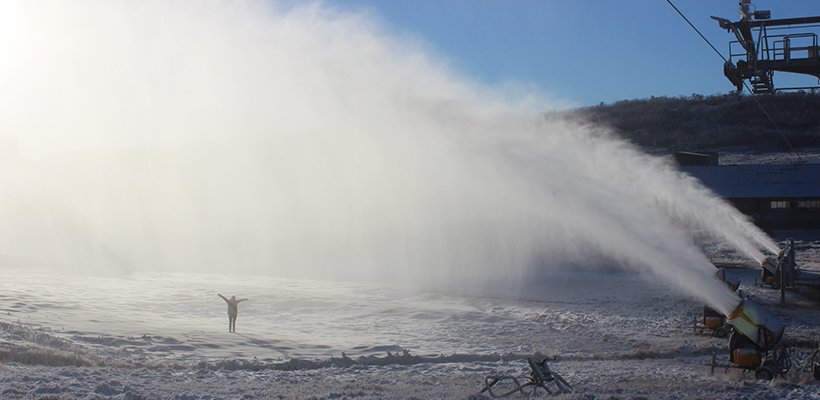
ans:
(233, 310)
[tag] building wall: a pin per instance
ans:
(781, 213)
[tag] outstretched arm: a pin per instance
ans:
(240, 300)
(223, 297)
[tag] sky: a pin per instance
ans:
(580, 52)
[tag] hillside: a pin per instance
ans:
(711, 122)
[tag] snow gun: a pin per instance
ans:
(771, 266)
(756, 333)
(780, 271)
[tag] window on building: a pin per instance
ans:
(808, 204)
(780, 204)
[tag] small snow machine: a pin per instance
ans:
(712, 321)
(773, 269)
(540, 377)
(753, 340)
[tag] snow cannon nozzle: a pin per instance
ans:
(771, 262)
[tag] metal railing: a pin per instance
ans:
(786, 47)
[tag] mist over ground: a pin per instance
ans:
(300, 140)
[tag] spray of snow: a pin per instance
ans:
(301, 140)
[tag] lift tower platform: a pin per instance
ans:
(766, 45)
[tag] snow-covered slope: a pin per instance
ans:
(609, 333)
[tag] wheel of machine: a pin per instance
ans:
(764, 373)
(720, 332)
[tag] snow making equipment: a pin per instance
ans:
(772, 268)
(756, 333)
(781, 272)
(711, 321)
(541, 377)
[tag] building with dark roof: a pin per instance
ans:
(775, 196)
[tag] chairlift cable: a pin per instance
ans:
(697, 30)
(754, 95)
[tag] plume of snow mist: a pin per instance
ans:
(301, 141)
(682, 197)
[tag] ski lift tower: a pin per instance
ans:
(766, 45)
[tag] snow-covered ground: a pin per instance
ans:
(610, 334)
(754, 156)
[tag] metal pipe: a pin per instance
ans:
(782, 283)
(743, 8)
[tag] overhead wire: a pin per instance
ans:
(697, 30)
(754, 95)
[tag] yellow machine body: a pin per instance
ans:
(746, 357)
